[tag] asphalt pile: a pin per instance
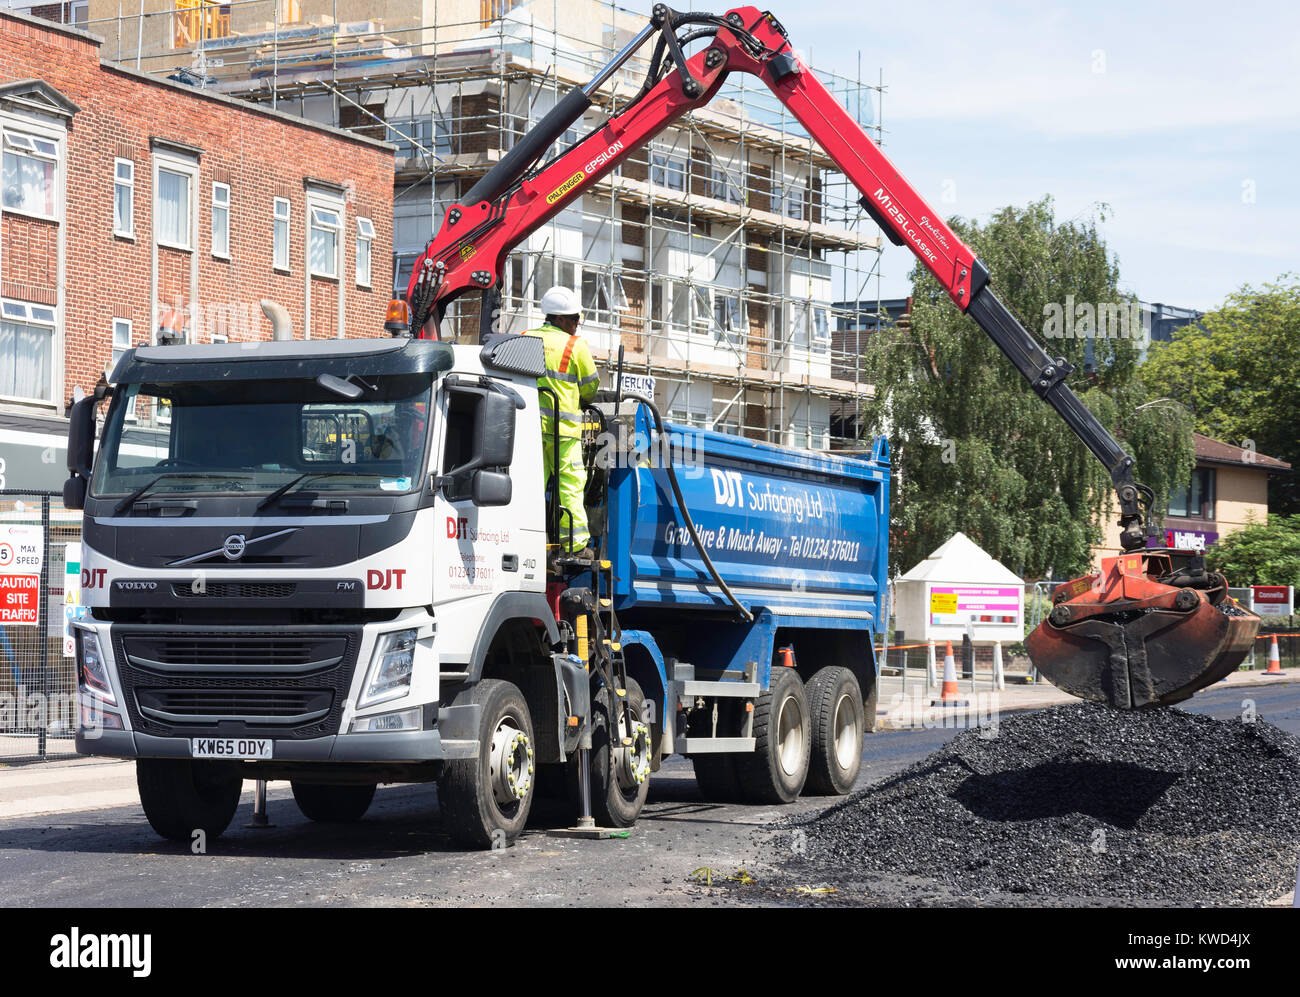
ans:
(1082, 801)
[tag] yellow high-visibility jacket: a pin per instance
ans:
(571, 374)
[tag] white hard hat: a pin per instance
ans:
(561, 300)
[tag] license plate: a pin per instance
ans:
(230, 747)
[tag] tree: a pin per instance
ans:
(1237, 371)
(974, 448)
(1260, 553)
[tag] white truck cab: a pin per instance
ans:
(297, 559)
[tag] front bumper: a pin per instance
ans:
(455, 737)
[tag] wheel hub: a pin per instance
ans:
(847, 740)
(510, 764)
(790, 736)
(633, 760)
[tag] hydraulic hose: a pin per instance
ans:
(745, 614)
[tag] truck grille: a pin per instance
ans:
(235, 590)
(288, 684)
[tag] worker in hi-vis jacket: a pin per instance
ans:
(571, 374)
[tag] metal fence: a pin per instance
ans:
(38, 688)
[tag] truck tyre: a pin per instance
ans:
(181, 796)
(715, 774)
(485, 801)
(835, 706)
(778, 767)
(618, 796)
(338, 804)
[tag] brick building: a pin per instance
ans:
(1227, 490)
(131, 204)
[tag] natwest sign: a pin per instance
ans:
(1184, 539)
(1275, 599)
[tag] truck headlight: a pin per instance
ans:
(382, 722)
(94, 673)
(390, 669)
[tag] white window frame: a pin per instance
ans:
(665, 162)
(129, 184)
(25, 314)
(820, 331)
(282, 219)
(739, 333)
(315, 205)
(22, 142)
(215, 207)
(183, 167)
(120, 324)
(365, 234)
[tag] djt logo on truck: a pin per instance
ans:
(727, 488)
(383, 580)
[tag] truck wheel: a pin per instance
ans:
(485, 800)
(778, 767)
(835, 705)
(616, 800)
(181, 796)
(332, 804)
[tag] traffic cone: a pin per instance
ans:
(1274, 659)
(949, 691)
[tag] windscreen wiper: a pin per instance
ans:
(140, 492)
(288, 485)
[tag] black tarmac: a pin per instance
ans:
(1079, 801)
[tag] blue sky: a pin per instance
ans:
(1184, 118)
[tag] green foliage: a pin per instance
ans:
(1237, 372)
(974, 448)
(1260, 553)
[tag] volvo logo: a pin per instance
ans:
(233, 547)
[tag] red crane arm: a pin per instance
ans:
(510, 202)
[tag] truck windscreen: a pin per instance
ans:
(258, 435)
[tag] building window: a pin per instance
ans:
(821, 330)
(726, 317)
(365, 239)
(725, 186)
(788, 198)
(121, 338)
(414, 137)
(281, 234)
(323, 240)
(221, 220)
(1195, 500)
(123, 197)
(199, 19)
(668, 171)
(172, 207)
(403, 264)
(30, 165)
(26, 351)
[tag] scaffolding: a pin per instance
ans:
(729, 258)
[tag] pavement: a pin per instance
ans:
(902, 707)
(78, 783)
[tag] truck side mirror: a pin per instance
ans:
(495, 445)
(74, 493)
(81, 451)
(490, 488)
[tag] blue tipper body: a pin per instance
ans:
(800, 537)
